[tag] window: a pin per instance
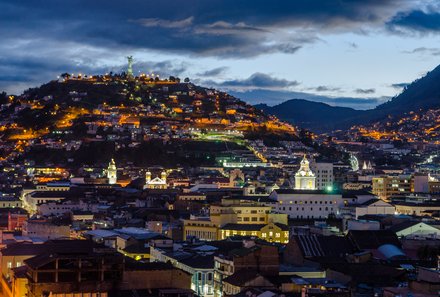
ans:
(9, 264)
(263, 235)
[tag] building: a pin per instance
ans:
(416, 230)
(386, 186)
(32, 199)
(112, 173)
(61, 268)
(324, 175)
(305, 179)
(240, 217)
(271, 232)
(262, 258)
(157, 182)
(427, 208)
(198, 262)
(9, 202)
(374, 207)
(78, 268)
(16, 219)
(306, 204)
(45, 229)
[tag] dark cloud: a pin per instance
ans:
(164, 68)
(326, 89)
(84, 35)
(365, 91)
(225, 28)
(416, 20)
(20, 72)
(399, 85)
(255, 81)
(213, 72)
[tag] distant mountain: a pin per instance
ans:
(423, 93)
(312, 115)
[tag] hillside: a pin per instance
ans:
(423, 93)
(140, 120)
(309, 114)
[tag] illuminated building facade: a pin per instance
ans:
(305, 179)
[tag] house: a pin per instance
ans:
(374, 207)
(245, 278)
(303, 248)
(415, 229)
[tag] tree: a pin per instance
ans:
(65, 75)
(3, 98)
(172, 78)
(186, 79)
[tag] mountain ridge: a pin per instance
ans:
(423, 93)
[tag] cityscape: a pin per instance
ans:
(123, 177)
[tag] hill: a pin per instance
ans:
(138, 120)
(312, 115)
(422, 94)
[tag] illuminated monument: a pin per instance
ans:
(130, 66)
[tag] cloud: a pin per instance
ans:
(399, 85)
(326, 89)
(20, 68)
(424, 50)
(164, 68)
(257, 80)
(154, 22)
(213, 72)
(224, 28)
(416, 21)
(365, 91)
(88, 35)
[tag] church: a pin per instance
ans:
(305, 179)
(157, 182)
(112, 172)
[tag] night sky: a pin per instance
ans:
(348, 53)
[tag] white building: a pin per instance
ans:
(310, 204)
(324, 175)
(157, 182)
(112, 172)
(305, 179)
(374, 207)
(416, 230)
(32, 200)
